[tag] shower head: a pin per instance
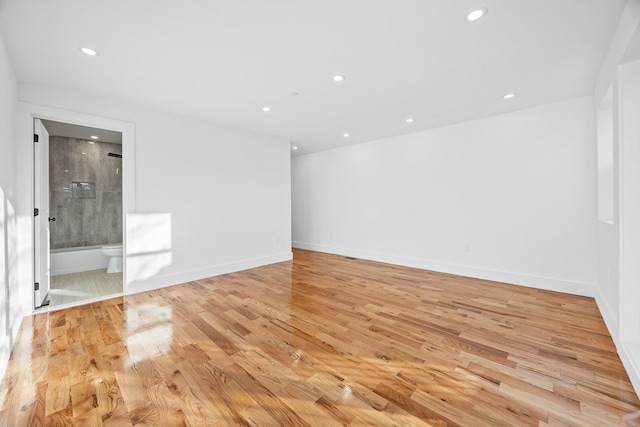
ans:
(119, 156)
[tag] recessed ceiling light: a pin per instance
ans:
(508, 95)
(91, 142)
(474, 15)
(94, 137)
(266, 109)
(294, 147)
(346, 135)
(409, 120)
(338, 78)
(88, 51)
(84, 152)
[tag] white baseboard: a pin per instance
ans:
(630, 356)
(609, 316)
(629, 352)
(539, 282)
(158, 282)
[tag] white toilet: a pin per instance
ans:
(114, 252)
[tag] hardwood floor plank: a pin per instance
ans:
(323, 340)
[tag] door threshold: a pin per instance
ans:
(49, 308)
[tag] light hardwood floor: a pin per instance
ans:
(76, 287)
(322, 341)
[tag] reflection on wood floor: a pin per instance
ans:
(86, 285)
(321, 341)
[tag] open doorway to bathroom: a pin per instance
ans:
(84, 222)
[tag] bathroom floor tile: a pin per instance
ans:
(75, 287)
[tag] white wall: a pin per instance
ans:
(605, 159)
(518, 191)
(618, 249)
(8, 230)
(209, 199)
(629, 84)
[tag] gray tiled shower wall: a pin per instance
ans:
(85, 193)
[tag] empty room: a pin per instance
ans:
(320, 213)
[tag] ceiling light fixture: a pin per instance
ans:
(294, 147)
(266, 109)
(508, 95)
(88, 51)
(409, 120)
(346, 135)
(94, 137)
(90, 142)
(474, 15)
(338, 78)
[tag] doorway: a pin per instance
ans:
(79, 216)
(26, 114)
(80, 176)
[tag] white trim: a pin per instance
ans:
(158, 282)
(608, 315)
(539, 282)
(26, 112)
(48, 309)
(629, 353)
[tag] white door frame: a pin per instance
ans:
(26, 115)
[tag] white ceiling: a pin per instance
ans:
(223, 60)
(82, 132)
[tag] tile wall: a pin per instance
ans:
(85, 193)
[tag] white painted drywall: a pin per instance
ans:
(8, 228)
(509, 197)
(624, 33)
(629, 85)
(611, 292)
(222, 196)
(605, 158)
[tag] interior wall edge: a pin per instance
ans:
(629, 20)
(625, 351)
(519, 279)
(158, 282)
(629, 354)
(608, 314)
